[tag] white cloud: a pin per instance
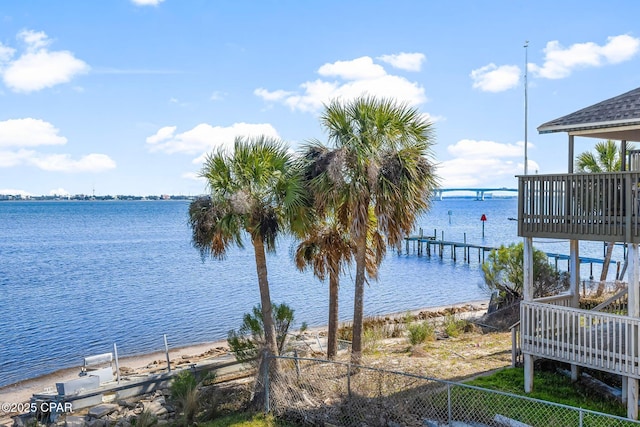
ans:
(162, 134)
(193, 177)
(354, 78)
(276, 95)
(29, 132)
(486, 163)
(147, 2)
(56, 162)
(34, 40)
(405, 61)
(433, 119)
(204, 138)
(492, 78)
(216, 96)
(6, 53)
(14, 158)
(485, 149)
(64, 163)
(59, 192)
(176, 101)
(357, 69)
(14, 192)
(37, 67)
(560, 62)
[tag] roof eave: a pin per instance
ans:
(609, 125)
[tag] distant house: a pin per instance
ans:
(594, 207)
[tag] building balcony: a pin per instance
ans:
(600, 207)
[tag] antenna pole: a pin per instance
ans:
(526, 63)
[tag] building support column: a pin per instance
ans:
(527, 296)
(574, 275)
(571, 145)
(634, 311)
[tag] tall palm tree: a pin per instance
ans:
(606, 158)
(377, 178)
(254, 191)
(326, 249)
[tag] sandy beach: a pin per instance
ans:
(144, 363)
(23, 390)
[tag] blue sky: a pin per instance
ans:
(125, 96)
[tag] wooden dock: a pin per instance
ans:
(431, 245)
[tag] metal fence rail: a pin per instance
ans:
(324, 393)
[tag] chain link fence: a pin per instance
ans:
(324, 393)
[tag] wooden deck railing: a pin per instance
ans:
(601, 341)
(600, 207)
(563, 300)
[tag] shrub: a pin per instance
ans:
(371, 338)
(454, 326)
(503, 273)
(184, 392)
(420, 332)
(246, 342)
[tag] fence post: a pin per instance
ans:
(115, 353)
(295, 355)
(349, 380)
(449, 403)
(267, 408)
(166, 350)
(581, 418)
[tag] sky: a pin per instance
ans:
(128, 96)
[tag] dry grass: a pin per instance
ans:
(465, 356)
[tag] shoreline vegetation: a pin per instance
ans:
(155, 362)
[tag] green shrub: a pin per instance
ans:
(371, 338)
(183, 383)
(246, 342)
(184, 392)
(420, 332)
(454, 326)
(503, 273)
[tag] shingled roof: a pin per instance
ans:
(616, 118)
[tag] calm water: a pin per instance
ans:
(75, 277)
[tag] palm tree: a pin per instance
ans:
(326, 249)
(254, 191)
(607, 158)
(377, 179)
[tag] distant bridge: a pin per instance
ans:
(479, 191)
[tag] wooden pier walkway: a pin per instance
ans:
(428, 245)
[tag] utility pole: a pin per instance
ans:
(526, 104)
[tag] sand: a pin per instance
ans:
(22, 391)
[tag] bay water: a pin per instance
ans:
(78, 276)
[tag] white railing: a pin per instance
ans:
(562, 300)
(601, 341)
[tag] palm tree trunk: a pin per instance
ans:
(265, 297)
(271, 346)
(332, 338)
(605, 269)
(358, 302)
